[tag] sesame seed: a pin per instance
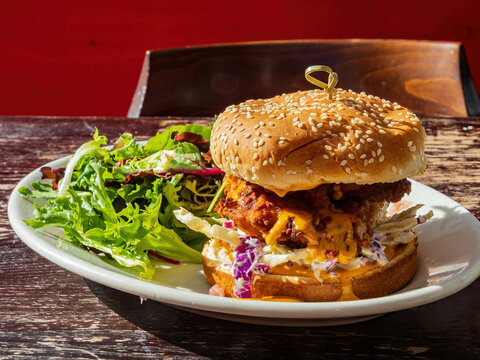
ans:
(271, 123)
(262, 123)
(265, 162)
(357, 147)
(247, 135)
(281, 142)
(381, 158)
(348, 170)
(328, 147)
(343, 163)
(379, 144)
(363, 156)
(270, 160)
(326, 157)
(351, 156)
(255, 156)
(394, 168)
(261, 142)
(314, 129)
(308, 162)
(235, 142)
(409, 144)
(249, 115)
(379, 151)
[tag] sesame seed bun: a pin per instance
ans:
(300, 140)
(376, 282)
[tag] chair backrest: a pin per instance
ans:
(431, 78)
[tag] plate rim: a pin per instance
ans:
(198, 301)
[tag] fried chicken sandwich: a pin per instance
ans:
(309, 178)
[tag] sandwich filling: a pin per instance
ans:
(302, 235)
(331, 221)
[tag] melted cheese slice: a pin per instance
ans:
(337, 236)
(235, 195)
(302, 220)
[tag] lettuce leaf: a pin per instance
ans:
(121, 201)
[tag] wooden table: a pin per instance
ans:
(48, 312)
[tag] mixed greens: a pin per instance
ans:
(119, 201)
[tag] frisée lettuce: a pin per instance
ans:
(119, 201)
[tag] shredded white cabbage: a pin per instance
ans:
(398, 229)
(231, 236)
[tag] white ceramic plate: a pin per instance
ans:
(443, 269)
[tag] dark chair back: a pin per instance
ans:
(431, 78)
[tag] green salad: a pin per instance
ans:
(119, 200)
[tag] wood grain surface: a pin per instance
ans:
(47, 312)
(425, 76)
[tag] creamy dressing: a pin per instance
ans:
(337, 235)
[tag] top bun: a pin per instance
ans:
(298, 141)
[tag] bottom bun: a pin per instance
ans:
(376, 282)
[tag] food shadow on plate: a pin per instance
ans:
(416, 332)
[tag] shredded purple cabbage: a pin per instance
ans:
(331, 264)
(245, 264)
(228, 224)
(378, 254)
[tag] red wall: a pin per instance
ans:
(62, 57)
